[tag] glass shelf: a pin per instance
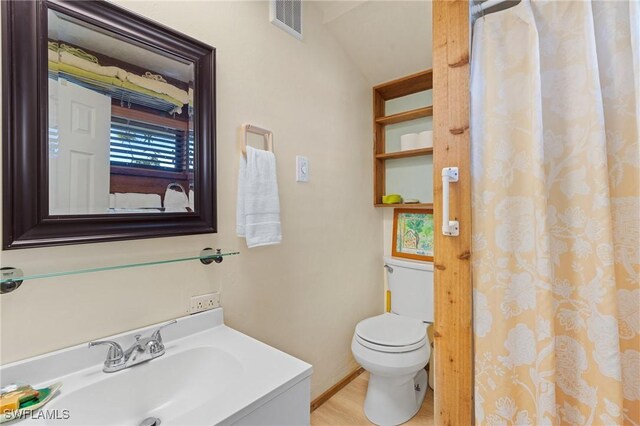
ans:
(206, 256)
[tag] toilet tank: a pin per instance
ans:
(411, 286)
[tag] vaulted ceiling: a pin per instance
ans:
(386, 39)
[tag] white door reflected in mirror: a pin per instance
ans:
(79, 166)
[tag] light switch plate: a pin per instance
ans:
(302, 169)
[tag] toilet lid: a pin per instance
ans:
(390, 349)
(392, 330)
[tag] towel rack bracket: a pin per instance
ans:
(206, 256)
(10, 279)
(265, 133)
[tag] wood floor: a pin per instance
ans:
(346, 408)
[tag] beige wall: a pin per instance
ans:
(304, 296)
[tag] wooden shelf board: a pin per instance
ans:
(404, 154)
(407, 206)
(406, 116)
(406, 85)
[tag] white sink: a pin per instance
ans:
(165, 388)
(210, 374)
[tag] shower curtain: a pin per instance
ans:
(556, 213)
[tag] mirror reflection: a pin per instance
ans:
(121, 136)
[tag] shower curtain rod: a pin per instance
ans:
(481, 7)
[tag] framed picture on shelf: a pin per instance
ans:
(413, 234)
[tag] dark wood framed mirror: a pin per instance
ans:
(108, 126)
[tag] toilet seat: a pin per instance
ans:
(391, 333)
(390, 349)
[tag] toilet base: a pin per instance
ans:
(393, 400)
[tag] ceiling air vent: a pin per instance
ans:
(287, 14)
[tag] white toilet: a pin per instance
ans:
(393, 347)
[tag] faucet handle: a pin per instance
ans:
(115, 355)
(156, 334)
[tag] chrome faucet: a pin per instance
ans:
(143, 349)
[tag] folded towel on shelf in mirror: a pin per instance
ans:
(135, 200)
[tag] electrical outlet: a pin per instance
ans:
(204, 302)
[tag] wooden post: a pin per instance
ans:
(453, 287)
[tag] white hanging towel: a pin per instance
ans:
(258, 209)
(175, 201)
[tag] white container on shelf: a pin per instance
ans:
(425, 140)
(408, 142)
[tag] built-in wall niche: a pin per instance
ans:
(411, 177)
(415, 101)
(403, 107)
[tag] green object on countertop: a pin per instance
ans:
(44, 396)
(44, 393)
(391, 199)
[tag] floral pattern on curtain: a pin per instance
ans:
(556, 213)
